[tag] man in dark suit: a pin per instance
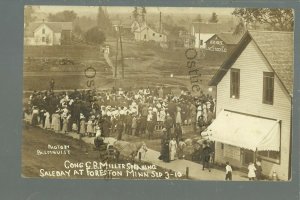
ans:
(206, 152)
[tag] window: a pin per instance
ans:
(235, 83)
(268, 88)
(201, 42)
(269, 155)
(43, 31)
(145, 36)
(159, 35)
(43, 39)
(153, 34)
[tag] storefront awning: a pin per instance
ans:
(245, 131)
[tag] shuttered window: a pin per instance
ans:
(268, 88)
(235, 83)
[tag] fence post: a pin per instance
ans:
(187, 172)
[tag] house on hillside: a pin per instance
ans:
(254, 104)
(222, 44)
(181, 40)
(203, 31)
(48, 33)
(126, 25)
(147, 33)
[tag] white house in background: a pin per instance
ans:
(146, 33)
(203, 31)
(48, 33)
(254, 103)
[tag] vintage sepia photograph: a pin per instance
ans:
(178, 93)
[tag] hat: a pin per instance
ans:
(164, 129)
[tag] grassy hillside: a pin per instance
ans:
(145, 64)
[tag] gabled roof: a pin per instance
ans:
(228, 38)
(278, 49)
(144, 26)
(56, 27)
(211, 27)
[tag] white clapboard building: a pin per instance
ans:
(254, 103)
(203, 31)
(48, 33)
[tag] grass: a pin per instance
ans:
(38, 139)
(145, 64)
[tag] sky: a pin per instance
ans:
(84, 10)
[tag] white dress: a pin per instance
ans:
(173, 149)
(47, 121)
(90, 127)
(251, 171)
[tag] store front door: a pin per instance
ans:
(247, 157)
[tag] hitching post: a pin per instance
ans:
(187, 172)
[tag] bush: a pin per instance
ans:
(94, 35)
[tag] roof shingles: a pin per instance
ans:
(278, 49)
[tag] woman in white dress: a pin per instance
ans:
(172, 149)
(47, 120)
(56, 122)
(178, 115)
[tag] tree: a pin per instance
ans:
(144, 12)
(135, 13)
(240, 28)
(214, 18)
(103, 21)
(64, 16)
(95, 36)
(198, 18)
(277, 18)
(28, 14)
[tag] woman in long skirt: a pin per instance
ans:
(47, 120)
(35, 113)
(56, 123)
(178, 116)
(173, 148)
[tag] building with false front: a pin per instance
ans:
(254, 103)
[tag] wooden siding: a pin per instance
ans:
(252, 64)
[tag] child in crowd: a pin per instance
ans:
(90, 127)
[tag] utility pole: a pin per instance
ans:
(160, 22)
(121, 47)
(199, 35)
(116, 65)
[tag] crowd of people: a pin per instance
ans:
(134, 112)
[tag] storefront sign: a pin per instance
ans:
(216, 45)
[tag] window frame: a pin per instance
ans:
(267, 91)
(235, 91)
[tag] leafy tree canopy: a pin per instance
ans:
(214, 18)
(277, 18)
(64, 16)
(95, 36)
